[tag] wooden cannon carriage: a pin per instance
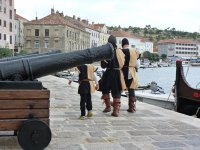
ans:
(26, 112)
(24, 102)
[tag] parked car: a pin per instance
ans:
(63, 74)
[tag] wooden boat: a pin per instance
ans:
(187, 99)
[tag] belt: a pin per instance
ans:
(128, 66)
(113, 68)
(87, 80)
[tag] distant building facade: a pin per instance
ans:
(54, 32)
(84, 24)
(19, 32)
(7, 24)
(140, 44)
(103, 35)
(186, 49)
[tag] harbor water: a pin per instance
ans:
(165, 76)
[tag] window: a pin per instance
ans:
(28, 44)
(4, 37)
(0, 8)
(10, 27)
(0, 22)
(0, 36)
(4, 10)
(4, 23)
(28, 32)
(10, 2)
(37, 33)
(67, 33)
(37, 44)
(46, 32)
(10, 39)
(56, 32)
(46, 44)
(10, 14)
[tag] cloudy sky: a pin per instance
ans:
(183, 15)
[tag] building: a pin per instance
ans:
(140, 44)
(84, 24)
(186, 49)
(148, 46)
(54, 32)
(7, 24)
(19, 32)
(103, 36)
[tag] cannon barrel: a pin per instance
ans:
(35, 67)
(29, 55)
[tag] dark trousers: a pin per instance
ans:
(85, 102)
(131, 92)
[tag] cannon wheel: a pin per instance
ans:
(34, 135)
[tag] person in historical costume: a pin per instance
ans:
(130, 73)
(86, 79)
(113, 79)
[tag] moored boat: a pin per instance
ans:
(187, 99)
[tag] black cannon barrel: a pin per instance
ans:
(35, 67)
(29, 55)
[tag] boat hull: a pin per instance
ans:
(187, 99)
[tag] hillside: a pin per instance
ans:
(154, 34)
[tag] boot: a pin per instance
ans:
(106, 98)
(131, 104)
(116, 107)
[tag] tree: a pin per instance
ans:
(163, 56)
(23, 52)
(6, 52)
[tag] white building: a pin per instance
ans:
(186, 49)
(84, 24)
(134, 42)
(7, 24)
(19, 32)
(103, 35)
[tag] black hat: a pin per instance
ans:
(125, 42)
(113, 41)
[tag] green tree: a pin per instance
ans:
(6, 52)
(163, 56)
(23, 52)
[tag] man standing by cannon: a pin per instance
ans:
(113, 79)
(130, 75)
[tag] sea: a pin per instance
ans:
(165, 76)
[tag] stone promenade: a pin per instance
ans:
(150, 128)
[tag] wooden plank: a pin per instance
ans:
(24, 94)
(24, 113)
(24, 104)
(14, 124)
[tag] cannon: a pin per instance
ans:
(28, 55)
(24, 102)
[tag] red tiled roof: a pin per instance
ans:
(53, 19)
(186, 41)
(20, 17)
(122, 33)
(79, 23)
(98, 26)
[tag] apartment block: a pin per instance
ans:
(7, 24)
(184, 48)
(135, 42)
(54, 32)
(19, 32)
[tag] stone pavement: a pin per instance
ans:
(150, 128)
